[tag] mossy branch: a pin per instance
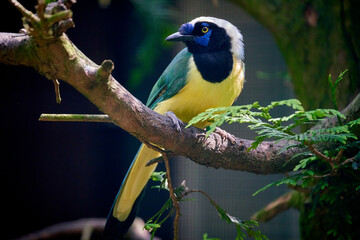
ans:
(75, 118)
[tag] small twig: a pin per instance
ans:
(75, 118)
(26, 13)
(105, 69)
(172, 196)
(202, 192)
(317, 153)
(332, 173)
(155, 160)
(59, 16)
(40, 8)
(338, 157)
(349, 160)
(57, 90)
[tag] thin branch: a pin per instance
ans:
(26, 13)
(40, 8)
(57, 91)
(291, 199)
(338, 157)
(318, 153)
(173, 197)
(199, 191)
(75, 118)
(79, 227)
(172, 194)
(349, 160)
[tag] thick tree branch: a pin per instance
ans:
(60, 59)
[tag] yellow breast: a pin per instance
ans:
(199, 95)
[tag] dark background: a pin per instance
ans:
(56, 172)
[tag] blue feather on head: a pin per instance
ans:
(203, 40)
(186, 28)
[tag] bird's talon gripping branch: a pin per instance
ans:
(225, 135)
(177, 122)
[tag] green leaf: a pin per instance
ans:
(154, 222)
(333, 87)
(151, 226)
(158, 176)
(354, 123)
(240, 224)
(291, 180)
(293, 103)
(205, 237)
(304, 162)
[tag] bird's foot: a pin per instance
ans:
(177, 122)
(225, 135)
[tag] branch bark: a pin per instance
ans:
(60, 59)
(292, 199)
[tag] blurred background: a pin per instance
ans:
(57, 172)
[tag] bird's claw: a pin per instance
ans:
(177, 122)
(225, 135)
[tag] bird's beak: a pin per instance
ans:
(176, 37)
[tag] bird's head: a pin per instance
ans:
(207, 34)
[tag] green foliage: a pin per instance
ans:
(205, 237)
(243, 228)
(333, 87)
(331, 177)
(155, 221)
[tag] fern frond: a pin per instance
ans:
(333, 87)
(291, 180)
(293, 103)
(339, 134)
(304, 162)
(354, 123)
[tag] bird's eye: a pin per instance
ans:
(205, 29)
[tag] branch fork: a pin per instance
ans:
(50, 21)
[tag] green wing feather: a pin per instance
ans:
(172, 80)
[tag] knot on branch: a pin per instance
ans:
(50, 21)
(104, 71)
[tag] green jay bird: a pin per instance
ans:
(208, 73)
